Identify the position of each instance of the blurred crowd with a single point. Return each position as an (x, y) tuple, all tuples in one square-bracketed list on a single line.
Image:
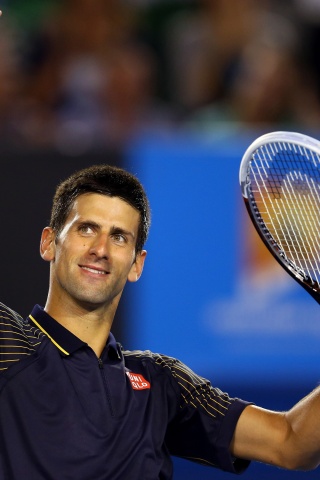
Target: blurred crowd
[(78, 75)]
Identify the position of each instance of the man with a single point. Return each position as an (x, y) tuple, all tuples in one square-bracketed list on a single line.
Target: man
[(75, 405)]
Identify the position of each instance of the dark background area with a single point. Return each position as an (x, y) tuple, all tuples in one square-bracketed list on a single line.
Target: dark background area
[(27, 185)]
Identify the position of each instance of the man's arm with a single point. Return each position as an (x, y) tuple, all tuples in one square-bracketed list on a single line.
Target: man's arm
[(290, 439)]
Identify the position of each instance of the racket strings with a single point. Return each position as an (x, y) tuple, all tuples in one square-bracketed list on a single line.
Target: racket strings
[(285, 191), (303, 251), (289, 226), (301, 207)]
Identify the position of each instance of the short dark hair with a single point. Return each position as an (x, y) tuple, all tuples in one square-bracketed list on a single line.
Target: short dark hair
[(106, 180)]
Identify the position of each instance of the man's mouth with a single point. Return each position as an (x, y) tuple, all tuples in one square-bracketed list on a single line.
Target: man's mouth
[(94, 270)]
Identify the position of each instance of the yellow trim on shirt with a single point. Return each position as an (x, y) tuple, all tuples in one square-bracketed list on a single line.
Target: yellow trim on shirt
[(46, 333)]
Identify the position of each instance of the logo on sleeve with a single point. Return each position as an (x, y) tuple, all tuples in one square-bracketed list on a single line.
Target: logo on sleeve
[(138, 382)]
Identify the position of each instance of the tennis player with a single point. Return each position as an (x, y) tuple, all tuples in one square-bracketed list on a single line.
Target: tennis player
[(76, 405)]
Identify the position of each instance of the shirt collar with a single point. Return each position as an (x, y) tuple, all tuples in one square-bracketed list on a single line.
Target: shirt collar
[(63, 339)]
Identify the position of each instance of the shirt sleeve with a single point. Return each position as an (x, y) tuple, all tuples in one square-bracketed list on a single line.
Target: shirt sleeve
[(203, 425)]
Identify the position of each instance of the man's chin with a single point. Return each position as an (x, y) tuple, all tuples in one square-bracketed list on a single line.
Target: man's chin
[(91, 304)]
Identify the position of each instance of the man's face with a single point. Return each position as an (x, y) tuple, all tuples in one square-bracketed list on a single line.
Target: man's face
[(94, 255)]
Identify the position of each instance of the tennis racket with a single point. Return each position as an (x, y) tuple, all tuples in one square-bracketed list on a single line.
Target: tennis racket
[(280, 184)]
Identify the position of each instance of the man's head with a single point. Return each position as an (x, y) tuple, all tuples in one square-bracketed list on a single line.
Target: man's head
[(106, 180)]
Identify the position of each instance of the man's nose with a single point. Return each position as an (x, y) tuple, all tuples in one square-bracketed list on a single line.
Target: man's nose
[(100, 246)]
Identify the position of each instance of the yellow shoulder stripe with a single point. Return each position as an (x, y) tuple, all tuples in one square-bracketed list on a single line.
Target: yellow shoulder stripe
[(46, 333)]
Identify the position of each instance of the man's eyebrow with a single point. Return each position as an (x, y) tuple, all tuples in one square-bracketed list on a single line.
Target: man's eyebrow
[(115, 230), (91, 223)]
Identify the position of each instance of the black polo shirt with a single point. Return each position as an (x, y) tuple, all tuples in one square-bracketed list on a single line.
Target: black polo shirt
[(65, 414)]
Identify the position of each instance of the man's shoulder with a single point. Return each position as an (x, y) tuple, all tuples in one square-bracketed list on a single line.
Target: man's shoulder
[(159, 361), (147, 356), (9, 316), (18, 338)]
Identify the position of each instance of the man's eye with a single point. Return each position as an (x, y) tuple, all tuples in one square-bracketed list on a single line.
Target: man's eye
[(118, 238), (85, 229)]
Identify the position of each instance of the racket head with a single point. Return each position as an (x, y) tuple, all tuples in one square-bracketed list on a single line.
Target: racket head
[(280, 183)]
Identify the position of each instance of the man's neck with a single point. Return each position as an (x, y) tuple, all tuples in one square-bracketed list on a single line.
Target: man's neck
[(92, 326)]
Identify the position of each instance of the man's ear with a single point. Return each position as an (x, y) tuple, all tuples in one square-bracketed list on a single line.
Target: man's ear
[(137, 267), (47, 244)]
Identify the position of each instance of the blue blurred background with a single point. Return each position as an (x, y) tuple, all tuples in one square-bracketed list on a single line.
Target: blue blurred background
[(174, 91)]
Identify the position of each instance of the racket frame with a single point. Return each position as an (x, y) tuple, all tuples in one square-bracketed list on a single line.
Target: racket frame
[(278, 253)]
